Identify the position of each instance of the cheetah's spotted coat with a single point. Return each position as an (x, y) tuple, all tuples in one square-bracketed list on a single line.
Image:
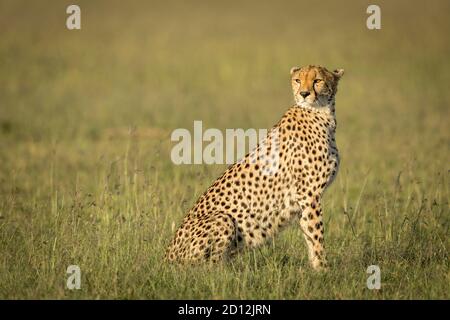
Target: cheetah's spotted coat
[(282, 180)]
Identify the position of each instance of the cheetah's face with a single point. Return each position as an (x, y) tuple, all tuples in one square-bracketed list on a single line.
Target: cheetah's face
[(314, 86)]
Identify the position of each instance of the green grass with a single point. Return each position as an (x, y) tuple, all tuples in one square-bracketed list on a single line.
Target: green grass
[(85, 123)]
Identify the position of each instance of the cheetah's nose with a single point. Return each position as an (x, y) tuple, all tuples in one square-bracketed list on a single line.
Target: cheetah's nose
[(304, 94)]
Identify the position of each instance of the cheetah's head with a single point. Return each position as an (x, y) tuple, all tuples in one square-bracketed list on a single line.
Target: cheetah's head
[(314, 86)]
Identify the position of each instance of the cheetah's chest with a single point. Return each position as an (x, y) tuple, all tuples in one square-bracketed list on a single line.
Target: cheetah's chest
[(315, 160)]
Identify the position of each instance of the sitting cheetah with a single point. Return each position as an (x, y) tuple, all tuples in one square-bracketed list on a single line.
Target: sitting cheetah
[(281, 180)]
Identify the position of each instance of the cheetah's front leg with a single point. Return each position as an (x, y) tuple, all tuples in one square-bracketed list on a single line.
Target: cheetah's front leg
[(312, 227)]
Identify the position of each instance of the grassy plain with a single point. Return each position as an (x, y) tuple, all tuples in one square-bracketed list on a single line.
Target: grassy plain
[(85, 123)]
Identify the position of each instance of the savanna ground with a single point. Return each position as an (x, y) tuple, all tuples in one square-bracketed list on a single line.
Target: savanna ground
[(86, 116)]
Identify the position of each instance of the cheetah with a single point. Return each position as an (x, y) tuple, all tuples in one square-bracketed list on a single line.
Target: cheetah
[(280, 181)]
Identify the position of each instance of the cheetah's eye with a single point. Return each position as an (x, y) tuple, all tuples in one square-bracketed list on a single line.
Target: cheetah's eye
[(316, 81), (297, 80)]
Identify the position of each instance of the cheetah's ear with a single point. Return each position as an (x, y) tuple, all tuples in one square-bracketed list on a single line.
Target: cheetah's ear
[(294, 69), (338, 73)]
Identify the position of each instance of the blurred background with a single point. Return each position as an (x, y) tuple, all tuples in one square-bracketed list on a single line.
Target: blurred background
[(86, 117)]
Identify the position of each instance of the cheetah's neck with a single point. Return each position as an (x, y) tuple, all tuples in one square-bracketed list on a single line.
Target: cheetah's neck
[(327, 110)]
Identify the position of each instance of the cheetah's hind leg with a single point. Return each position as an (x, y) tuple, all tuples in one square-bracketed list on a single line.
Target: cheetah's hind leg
[(220, 233), (211, 238)]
